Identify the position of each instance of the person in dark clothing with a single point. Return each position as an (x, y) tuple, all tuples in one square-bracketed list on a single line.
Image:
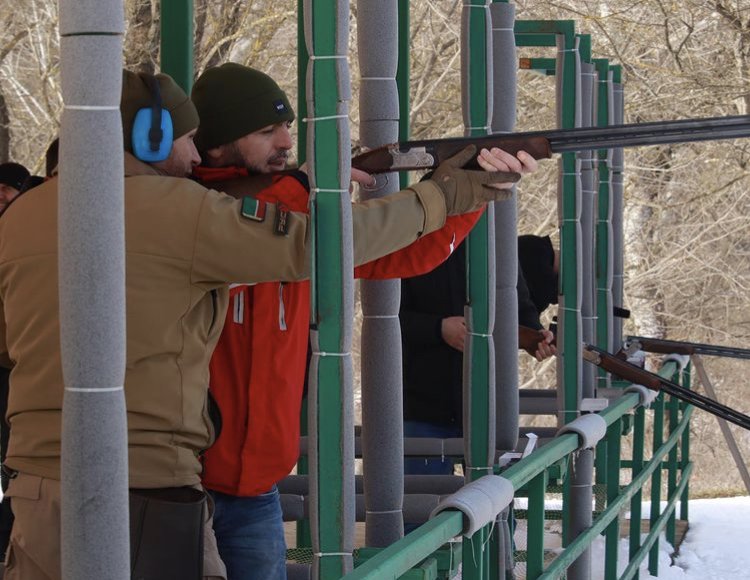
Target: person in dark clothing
[(14, 180), (540, 264), (433, 332), (13, 176)]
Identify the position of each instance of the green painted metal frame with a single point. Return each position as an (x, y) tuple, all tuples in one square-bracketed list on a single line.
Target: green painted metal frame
[(603, 241), (177, 60), (532, 473), (629, 492), (403, 72), (327, 276), (535, 33), (475, 556), (177, 41), (602, 244), (303, 534)]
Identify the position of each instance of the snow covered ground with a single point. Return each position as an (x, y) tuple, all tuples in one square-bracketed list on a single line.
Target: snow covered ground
[(716, 546)]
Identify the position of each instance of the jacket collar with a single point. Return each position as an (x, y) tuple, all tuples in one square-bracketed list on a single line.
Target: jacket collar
[(134, 166)]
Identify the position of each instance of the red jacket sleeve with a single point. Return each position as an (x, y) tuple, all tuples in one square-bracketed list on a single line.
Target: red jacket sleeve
[(424, 255)]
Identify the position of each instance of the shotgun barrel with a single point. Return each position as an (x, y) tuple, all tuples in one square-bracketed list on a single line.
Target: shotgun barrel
[(662, 346), (623, 369), (427, 154)]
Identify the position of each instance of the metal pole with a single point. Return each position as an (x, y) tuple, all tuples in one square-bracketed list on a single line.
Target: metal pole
[(734, 450), (331, 397)]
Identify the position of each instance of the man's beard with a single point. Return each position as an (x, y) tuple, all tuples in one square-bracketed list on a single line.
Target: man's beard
[(239, 161)]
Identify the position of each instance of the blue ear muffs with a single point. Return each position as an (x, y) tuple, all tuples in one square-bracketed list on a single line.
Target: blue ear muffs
[(153, 133)]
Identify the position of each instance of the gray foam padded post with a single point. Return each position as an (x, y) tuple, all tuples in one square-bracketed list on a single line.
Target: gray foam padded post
[(93, 16), (590, 429), (94, 510), (504, 63), (372, 109), (480, 501), (382, 413), (589, 184), (618, 213), (646, 395), (504, 90), (95, 53), (91, 271), (91, 242), (377, 37), (682, 360)]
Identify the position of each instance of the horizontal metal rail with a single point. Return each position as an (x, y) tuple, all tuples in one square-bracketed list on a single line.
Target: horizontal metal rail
[(579, 545)]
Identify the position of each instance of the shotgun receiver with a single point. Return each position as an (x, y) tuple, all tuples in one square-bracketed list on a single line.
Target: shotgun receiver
[(629, 372), (661, 346), (427, 154)]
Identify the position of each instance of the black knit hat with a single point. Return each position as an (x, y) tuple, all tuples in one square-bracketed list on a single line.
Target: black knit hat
[(234, 100), (536, 257), (136, 95), (13, 174)]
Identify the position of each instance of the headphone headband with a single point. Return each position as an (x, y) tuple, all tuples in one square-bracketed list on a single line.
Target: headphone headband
[(155, 133)]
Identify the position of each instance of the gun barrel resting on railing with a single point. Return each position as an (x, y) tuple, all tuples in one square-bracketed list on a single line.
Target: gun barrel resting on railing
[(639, 376), (426, 154)]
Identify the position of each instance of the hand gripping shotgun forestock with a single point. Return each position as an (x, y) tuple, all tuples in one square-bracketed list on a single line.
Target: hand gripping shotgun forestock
[(629, 372), (426, 154)]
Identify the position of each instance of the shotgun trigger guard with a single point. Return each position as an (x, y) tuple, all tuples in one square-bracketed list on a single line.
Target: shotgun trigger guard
[(410, 158)]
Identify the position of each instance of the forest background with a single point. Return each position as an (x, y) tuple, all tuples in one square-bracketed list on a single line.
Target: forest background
[(687, 207)]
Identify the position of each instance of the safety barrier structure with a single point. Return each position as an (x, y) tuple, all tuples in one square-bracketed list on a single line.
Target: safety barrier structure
[(589, 444)]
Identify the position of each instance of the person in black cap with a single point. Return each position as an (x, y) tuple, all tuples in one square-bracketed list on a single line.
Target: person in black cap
[(433, 331), (13, 177)]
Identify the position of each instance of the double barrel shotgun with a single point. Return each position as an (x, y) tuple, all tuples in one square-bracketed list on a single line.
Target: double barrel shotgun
[(429, 153)]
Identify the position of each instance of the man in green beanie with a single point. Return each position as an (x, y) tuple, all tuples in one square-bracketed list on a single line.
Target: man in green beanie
[(259, 366), (184, 245)]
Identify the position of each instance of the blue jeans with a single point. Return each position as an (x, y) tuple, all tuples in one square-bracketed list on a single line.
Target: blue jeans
[(433, 465), (250, 535)]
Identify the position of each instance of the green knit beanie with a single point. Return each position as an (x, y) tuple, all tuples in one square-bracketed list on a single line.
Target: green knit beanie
[(136, 95), (235, 100)]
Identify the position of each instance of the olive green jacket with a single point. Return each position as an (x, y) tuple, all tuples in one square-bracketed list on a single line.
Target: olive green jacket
[(184, 245)]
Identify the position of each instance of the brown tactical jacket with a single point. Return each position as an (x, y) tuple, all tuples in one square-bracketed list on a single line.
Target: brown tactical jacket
[(184, 245)]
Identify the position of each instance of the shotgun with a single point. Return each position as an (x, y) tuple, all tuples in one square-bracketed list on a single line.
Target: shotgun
[(629, 372), (427, 154), (661, 346)]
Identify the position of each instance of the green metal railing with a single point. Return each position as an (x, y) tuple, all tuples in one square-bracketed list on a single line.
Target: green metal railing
[(665, 467), (531, 475)]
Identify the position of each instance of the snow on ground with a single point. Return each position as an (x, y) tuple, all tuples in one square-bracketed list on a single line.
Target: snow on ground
[(716, 546)]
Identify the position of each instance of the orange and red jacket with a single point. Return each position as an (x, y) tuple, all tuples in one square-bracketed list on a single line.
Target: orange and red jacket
[(258, 367)]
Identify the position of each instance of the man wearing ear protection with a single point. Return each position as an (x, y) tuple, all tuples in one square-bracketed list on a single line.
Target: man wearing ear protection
[(259, 366), (184, 245)]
